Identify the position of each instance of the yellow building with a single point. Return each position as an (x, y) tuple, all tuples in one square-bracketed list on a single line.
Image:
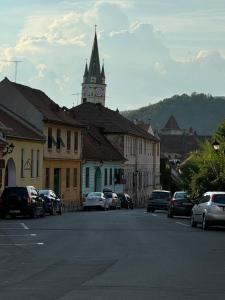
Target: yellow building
[(62, 148), (23, 153), (62, 152)]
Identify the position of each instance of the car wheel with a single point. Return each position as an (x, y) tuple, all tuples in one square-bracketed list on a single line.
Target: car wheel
[(193, 223), (170, 214), (205, 224), (2, 216), (34, 212)]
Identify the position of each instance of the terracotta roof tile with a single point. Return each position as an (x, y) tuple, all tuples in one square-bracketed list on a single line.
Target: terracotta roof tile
[(171, 124), (19, 130), (111, 121), (97, 147), (51, 111)]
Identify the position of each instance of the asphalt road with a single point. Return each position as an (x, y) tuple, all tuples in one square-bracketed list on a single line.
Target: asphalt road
[(126, 254)]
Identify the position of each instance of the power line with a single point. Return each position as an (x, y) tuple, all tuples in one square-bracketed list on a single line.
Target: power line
[(16, 65)]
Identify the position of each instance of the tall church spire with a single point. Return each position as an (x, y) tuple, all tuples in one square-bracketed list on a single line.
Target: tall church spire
[(94, 66), (93, 86)]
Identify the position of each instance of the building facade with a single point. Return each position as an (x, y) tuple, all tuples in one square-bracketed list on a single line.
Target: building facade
[(23, 153), (62, 147)]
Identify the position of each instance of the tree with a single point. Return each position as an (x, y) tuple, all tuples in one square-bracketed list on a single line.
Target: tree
[(205, 169)]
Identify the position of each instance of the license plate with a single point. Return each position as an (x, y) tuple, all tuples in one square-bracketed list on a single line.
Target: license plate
[(14, 211)]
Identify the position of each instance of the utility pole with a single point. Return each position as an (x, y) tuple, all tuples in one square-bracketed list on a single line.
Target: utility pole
[(16, 65)]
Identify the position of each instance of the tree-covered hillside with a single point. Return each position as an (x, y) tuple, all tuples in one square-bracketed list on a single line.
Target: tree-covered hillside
[(202, 112)]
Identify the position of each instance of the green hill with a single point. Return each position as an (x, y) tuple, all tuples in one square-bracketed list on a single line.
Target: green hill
[(201, 112)]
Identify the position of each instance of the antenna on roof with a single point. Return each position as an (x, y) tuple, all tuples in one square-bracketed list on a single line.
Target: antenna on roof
[(76, 94), (16, 65)]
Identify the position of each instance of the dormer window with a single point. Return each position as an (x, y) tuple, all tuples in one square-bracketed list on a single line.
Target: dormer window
[(93, 79)]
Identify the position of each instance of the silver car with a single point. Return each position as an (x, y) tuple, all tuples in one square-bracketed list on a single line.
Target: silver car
[(113, 200), (209, 210), (95, 200)]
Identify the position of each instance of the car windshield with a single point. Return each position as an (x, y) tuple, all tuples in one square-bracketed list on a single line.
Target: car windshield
[(95, 194), (108, 195), (160, 195), (219, 198), (179, 195), (43, 192), (20, 191)]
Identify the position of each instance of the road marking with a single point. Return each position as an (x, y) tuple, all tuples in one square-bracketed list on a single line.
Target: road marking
[(23, 244), (183, 224), (155, 215), (32, 234), (24, 226)]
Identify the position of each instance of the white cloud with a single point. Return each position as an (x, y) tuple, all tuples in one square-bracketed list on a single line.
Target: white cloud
[(139, 64)]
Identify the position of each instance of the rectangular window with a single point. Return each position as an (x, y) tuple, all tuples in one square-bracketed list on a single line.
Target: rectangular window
[(37, 166), (68, 144), (58, 138), (87, 178), (106, 176), (49, 138), (22, 163), (110, 177), (67, 178), (75, 177), (75, 141), (47, 178), (32, 164)]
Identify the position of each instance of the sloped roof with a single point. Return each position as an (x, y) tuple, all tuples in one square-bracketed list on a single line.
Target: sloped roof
[(97, 147), (181, 144), (51, 111), (171, 124), (18, 129), (111, 121)]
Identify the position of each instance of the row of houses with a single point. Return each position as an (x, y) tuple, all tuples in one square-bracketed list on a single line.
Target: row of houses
[(74, 151)]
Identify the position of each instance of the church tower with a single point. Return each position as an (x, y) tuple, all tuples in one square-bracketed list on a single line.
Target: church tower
[(93, 86)]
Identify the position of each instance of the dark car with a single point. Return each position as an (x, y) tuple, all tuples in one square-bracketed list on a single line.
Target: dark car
[(21, 201), (180, 205), (158, 200), (126, 201), (53, 203)]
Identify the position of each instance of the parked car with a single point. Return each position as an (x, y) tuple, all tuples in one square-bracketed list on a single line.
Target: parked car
[(209, 210), (180, 205), (95, 200), (158, 200), (126, 201), (53, 203), (112, 200), (21, 201)]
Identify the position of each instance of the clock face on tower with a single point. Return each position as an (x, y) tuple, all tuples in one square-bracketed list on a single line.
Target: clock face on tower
[(99, 92)]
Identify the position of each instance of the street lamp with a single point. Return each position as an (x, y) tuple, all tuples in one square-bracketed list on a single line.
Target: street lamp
[(216, 145), (8, 149)]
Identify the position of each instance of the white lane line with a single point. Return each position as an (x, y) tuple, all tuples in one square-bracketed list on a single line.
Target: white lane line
[(183, 224), (24, 226), (25, 244), (32, 234), (9, 223), (155, 215)]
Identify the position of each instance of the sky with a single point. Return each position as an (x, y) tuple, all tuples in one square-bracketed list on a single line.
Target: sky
[(152, 49)]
